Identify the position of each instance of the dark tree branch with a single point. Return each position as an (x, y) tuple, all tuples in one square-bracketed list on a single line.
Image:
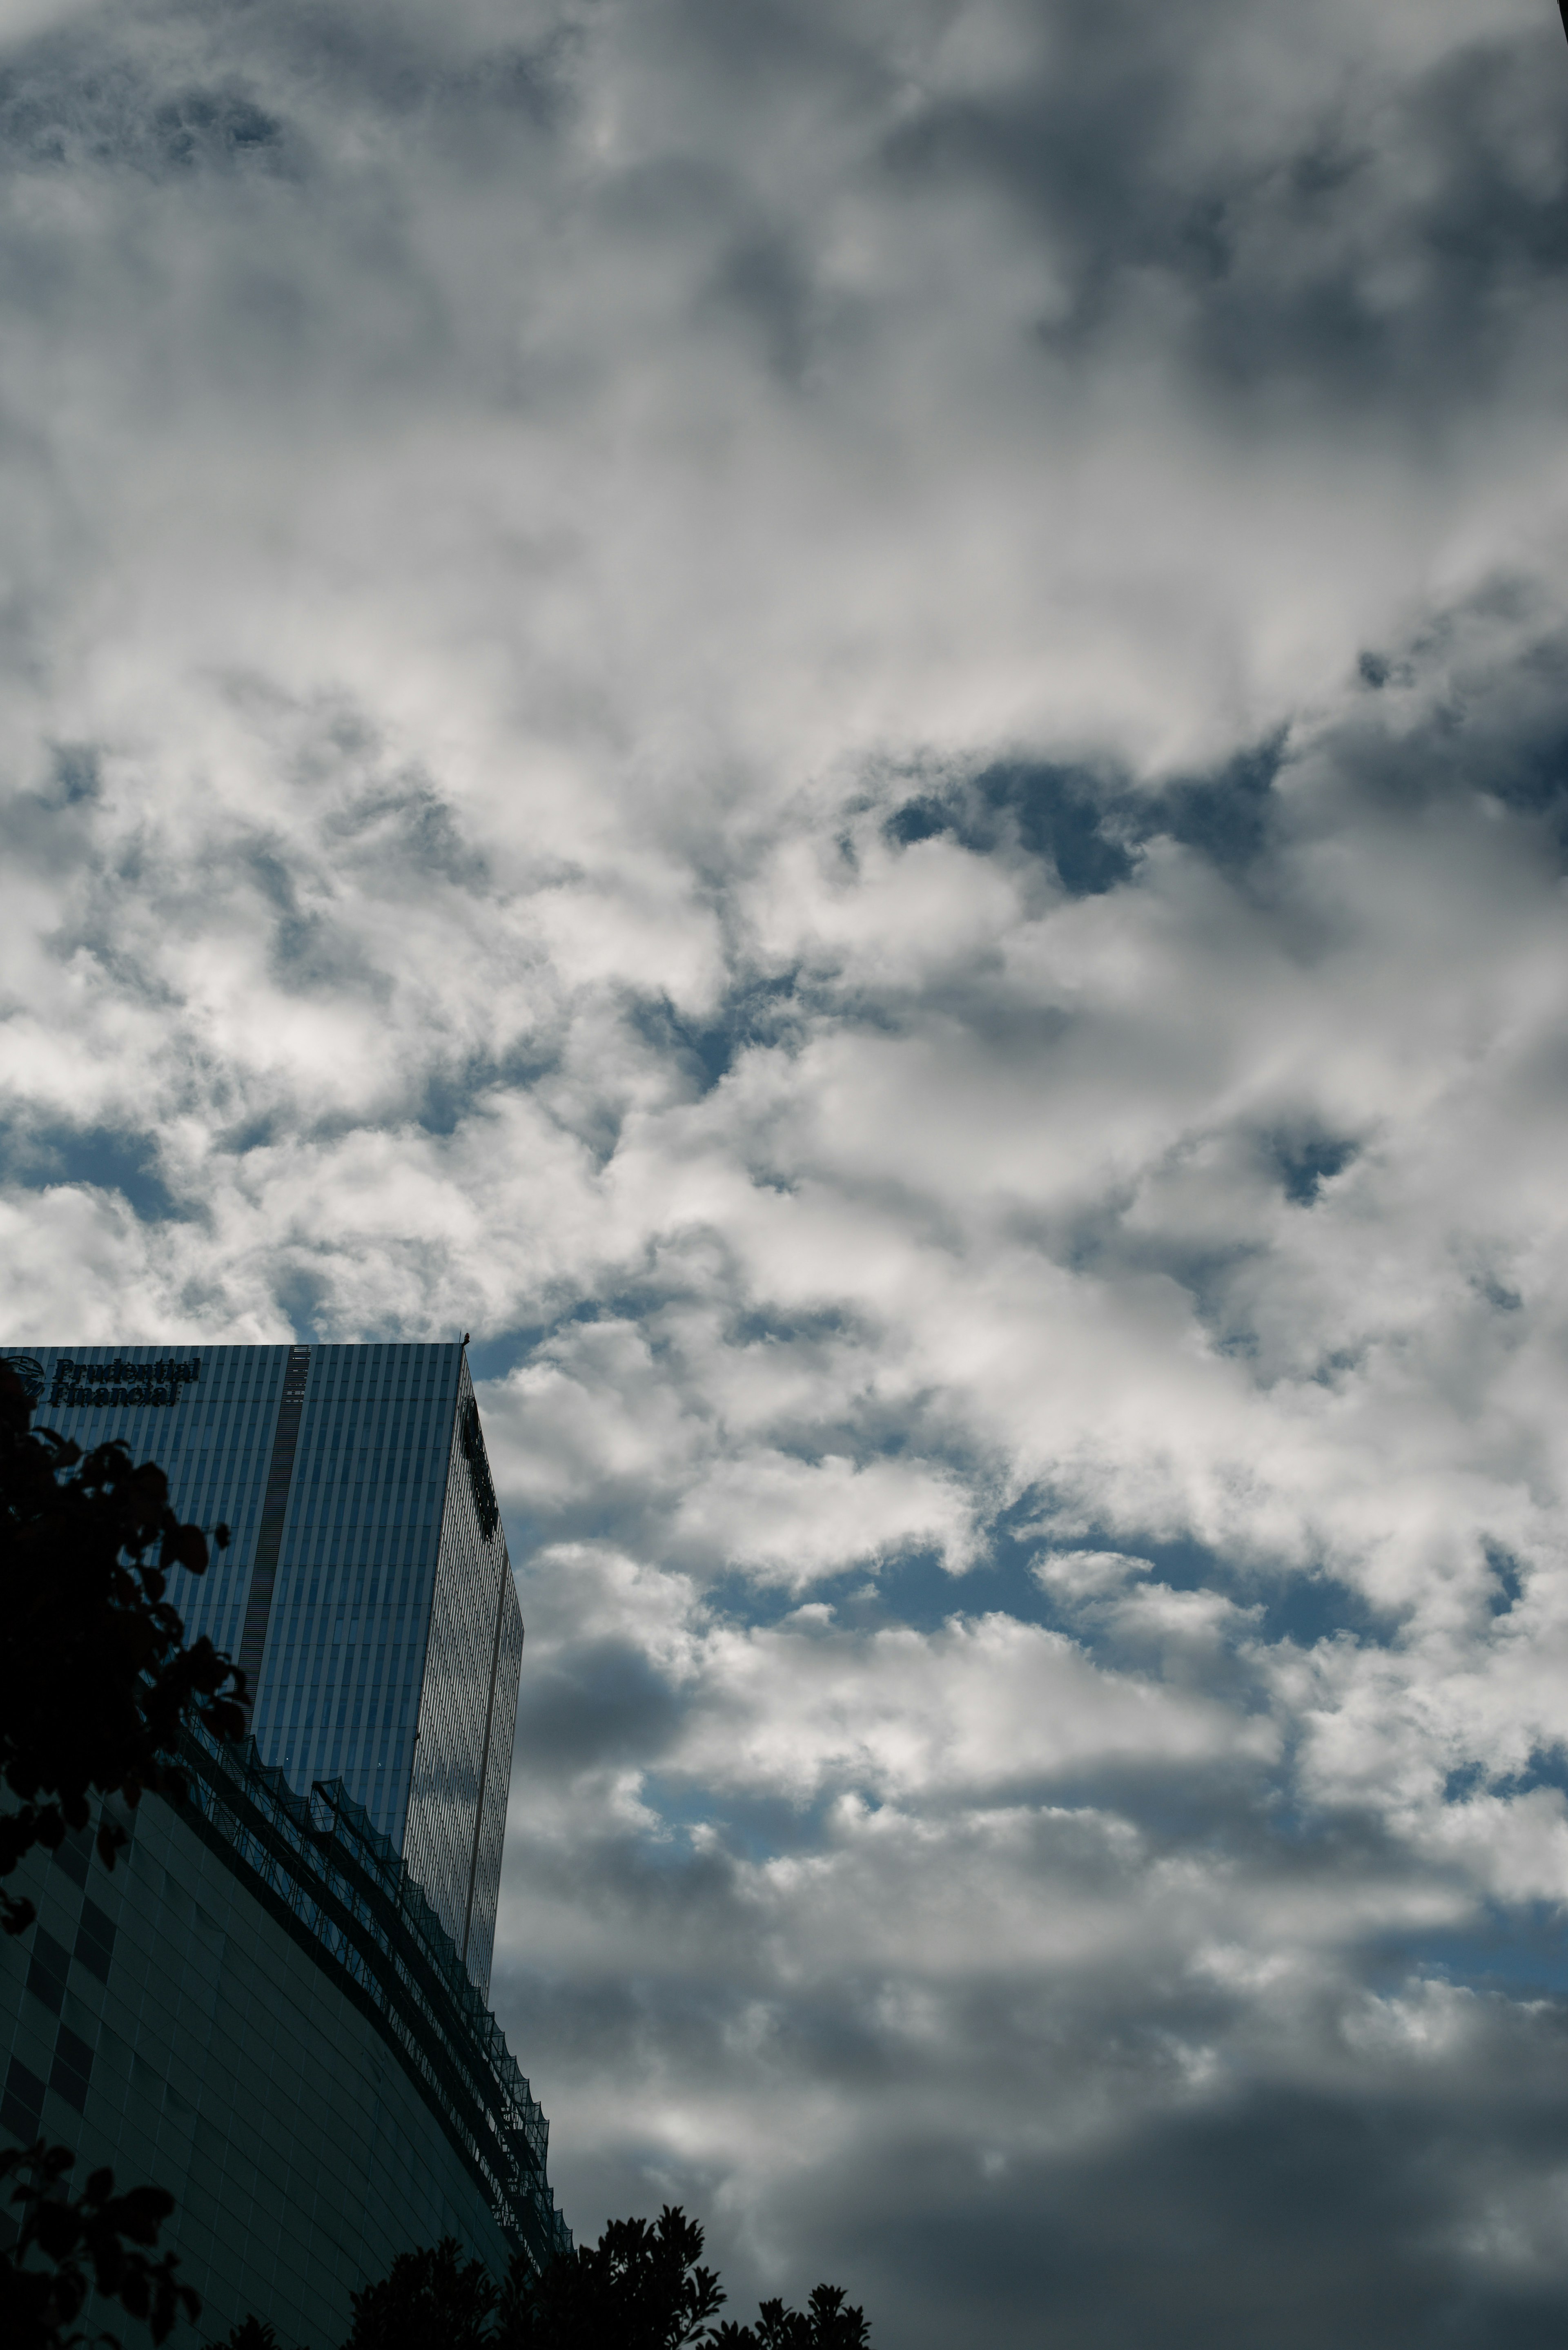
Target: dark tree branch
[(95, 1673), (94, 2241)]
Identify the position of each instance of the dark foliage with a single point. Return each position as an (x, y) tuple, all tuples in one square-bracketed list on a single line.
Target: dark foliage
[(827, 2323), (95, 1675), (250, 2333), (428, 2301), (92, 2240), (639, 2288)]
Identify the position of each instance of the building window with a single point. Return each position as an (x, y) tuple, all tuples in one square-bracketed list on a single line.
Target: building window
[(47, 1971), (72, 2068), (22, 2107), (95, 1940), (74, 1854)]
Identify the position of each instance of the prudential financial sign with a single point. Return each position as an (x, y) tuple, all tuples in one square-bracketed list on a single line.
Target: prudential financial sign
[(99, 1387)]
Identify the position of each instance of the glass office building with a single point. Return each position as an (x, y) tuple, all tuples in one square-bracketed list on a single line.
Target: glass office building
[(366, 1590), (274, 2005)]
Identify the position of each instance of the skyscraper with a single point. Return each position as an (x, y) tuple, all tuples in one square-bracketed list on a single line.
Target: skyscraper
[(367, 1589), (274, 2005)]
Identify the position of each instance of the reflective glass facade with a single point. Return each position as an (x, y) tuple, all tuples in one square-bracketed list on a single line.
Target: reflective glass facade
[(367, 1588), (474, 1659)]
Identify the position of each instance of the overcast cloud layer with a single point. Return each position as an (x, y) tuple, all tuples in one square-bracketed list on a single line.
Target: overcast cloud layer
[(850, 720)]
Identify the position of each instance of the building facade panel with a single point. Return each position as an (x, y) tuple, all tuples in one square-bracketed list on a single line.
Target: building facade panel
[(445, 1839), (341, 1676), (491, 1838)]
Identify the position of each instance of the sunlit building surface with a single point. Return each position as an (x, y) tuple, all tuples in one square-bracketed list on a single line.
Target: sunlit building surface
[(274, 2005)]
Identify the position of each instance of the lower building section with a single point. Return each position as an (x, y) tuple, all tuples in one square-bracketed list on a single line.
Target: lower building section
[(257, 2010)]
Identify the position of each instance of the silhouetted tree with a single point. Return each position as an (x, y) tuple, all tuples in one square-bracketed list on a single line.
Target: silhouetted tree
[(250, 2333), (95, 1673), (827, 2323), (639, 2288), (89, 2241), (431, 2299)]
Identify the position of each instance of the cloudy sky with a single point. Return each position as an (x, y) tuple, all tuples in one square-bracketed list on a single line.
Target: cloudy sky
[(849, 718)]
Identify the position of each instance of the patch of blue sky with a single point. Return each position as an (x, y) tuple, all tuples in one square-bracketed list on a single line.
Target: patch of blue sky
[(749, 1828), (496, 1357), (495, 1354), (754, 1012), (1225, 815), (911, 1587), (449, 1093), (1090, 824), (1508, 1580), (75, 772), (1547, 1767), (1049, 811), (109, 1159), (258, 1132), (1521, 1951), (916, 1588), (1308, 1607), (304, 1297), (761, 1325), (1304, 1161), (1300, 1605)]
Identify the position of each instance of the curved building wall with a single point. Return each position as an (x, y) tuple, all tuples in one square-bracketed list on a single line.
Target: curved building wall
[(165, 2022)]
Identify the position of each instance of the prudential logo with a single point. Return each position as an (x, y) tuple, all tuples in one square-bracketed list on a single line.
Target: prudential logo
[(30, 1371)]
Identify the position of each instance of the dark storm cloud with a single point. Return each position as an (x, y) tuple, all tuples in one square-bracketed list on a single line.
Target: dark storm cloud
[(49, 827), (1349, 2176), (407, 820), (1288, 2216), (1385, 247), (1473, 707), (610, 1704), (308, 950)]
